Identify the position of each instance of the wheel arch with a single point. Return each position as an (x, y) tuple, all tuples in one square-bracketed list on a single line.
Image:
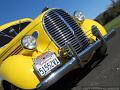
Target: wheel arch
[(18, 71), (87, 24)]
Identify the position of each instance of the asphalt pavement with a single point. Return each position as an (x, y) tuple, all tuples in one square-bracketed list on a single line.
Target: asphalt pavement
[(104, 74)]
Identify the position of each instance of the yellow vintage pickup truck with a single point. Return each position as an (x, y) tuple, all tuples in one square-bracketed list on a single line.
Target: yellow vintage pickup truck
[(35, 54)]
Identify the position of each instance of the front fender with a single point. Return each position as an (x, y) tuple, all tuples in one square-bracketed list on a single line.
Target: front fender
[(18, 70), (86, 27)]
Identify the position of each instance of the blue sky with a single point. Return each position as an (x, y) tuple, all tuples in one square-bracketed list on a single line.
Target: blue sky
[(15, 9)]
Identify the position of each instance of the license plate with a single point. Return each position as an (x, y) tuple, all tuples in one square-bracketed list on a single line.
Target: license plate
[(46, 63)]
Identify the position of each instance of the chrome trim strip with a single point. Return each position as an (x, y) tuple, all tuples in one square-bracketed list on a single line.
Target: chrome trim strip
[(46, 28), (77, 39), (70, 28), (72, 64)]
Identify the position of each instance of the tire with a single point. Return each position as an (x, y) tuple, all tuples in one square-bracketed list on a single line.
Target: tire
[(8, 86), (101, 51)]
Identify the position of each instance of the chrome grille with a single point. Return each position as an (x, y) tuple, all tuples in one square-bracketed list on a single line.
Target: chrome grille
[(62, 29)]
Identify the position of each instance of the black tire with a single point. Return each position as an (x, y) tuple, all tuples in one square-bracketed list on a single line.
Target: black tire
[(99, 55), (8, 86), (101, 51)]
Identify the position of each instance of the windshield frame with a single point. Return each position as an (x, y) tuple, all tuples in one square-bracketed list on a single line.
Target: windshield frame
[(21, 26)]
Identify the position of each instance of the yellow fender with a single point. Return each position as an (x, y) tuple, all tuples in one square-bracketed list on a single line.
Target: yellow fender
[(86, 26), (18, 70)]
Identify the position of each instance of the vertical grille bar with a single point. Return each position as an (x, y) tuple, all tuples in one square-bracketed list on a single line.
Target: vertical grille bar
[(62, 28)]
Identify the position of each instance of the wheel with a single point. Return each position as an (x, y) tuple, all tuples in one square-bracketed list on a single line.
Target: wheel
[(8, 86), (101, 51), (99, 55), (88, 58)]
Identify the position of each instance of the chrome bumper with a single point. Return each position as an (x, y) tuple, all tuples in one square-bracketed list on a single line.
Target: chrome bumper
[(73, 63)]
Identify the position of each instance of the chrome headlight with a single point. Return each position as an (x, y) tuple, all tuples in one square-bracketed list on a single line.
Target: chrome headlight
[(79, 15), (28, 42)]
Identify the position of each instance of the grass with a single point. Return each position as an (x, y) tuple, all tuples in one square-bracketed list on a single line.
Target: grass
[(1, 88), (115, 23)]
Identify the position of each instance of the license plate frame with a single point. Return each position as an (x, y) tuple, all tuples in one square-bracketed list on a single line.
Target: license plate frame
[(46, 63)]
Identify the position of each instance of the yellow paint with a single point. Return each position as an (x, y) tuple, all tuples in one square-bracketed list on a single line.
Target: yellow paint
[(5, 48), (18, 69), (86, 27), (4, 26), (8, 69)]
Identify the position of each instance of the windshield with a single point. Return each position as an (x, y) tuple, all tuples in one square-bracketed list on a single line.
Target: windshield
[(9, 33)]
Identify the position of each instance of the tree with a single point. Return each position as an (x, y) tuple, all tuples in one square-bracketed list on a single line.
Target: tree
[(112, 11)]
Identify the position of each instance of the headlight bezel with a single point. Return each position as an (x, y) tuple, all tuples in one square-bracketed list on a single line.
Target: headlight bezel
[(79, 15), (29, 42)]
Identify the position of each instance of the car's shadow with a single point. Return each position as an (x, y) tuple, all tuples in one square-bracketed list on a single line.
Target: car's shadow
[(71, 79)]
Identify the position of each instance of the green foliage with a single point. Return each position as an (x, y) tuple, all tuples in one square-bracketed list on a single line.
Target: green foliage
[(112, 12), (115, 23)]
